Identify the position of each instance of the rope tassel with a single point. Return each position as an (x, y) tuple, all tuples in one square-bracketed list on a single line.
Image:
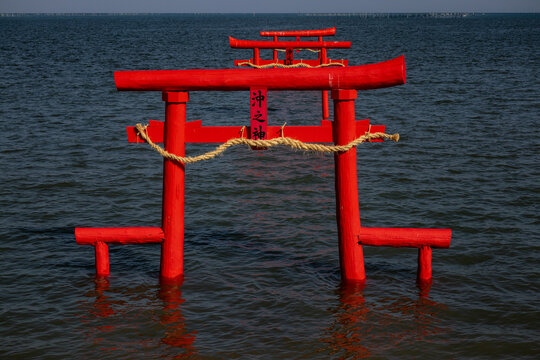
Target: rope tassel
[(293, 143)]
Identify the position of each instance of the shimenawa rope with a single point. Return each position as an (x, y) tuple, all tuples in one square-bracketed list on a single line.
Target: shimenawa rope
[(299, 49), (297, 65), (293, 143)]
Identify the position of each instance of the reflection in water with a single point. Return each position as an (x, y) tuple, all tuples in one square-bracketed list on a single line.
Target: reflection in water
[(346, 334), (173, 320), (361, 329), (102, 306), (424, 286), (115, 321)]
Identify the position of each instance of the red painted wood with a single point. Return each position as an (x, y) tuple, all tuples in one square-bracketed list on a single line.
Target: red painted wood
[(196, 133), (256, 56), (155, 130), (347, 211), (372, 76), (120, 235), (405, 237), (372, 130), (259, 113), (322, 32), (310, 62), (263, 44), (102, 258), (325, 108), (172, 248), (424, 264)]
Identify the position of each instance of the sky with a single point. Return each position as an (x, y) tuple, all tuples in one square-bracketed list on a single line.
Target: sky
[(258, 6)]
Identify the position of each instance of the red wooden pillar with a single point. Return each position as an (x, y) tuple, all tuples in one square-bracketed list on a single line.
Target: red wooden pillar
[(256, 56), (172, 248), (324, 60), (351, 255), (424, 263), (102, 258), (275, 50)]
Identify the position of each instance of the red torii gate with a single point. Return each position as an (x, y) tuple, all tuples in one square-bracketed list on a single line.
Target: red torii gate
[(343, 83), (289, 47)]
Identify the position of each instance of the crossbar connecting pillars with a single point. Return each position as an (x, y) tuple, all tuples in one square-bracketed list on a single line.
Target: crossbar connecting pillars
[(101, 237)]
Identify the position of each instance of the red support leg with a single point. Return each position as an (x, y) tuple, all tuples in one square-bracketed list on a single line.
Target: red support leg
[(102, 259), (325, 109), (256, 56), (351, 255), (172, 249), (324, 59), (424, 263)]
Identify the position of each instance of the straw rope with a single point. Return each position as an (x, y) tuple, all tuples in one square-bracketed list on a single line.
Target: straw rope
[(312, 50), (297, 65), (293, 143)]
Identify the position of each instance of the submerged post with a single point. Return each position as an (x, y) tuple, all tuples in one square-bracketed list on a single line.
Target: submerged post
[(172, 248), (424, 263), (351, 255), (102, 258)]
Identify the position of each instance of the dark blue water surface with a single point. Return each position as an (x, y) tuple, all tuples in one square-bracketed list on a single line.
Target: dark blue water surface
[(261, 259)]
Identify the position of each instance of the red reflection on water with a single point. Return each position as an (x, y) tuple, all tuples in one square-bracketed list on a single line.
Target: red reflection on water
[(102, 306), (344, 335), (424, 286), (173, 319), (362, 329)]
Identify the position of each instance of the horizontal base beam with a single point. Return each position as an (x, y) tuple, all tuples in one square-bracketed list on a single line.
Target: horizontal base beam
[(124, 235), (405, 237)]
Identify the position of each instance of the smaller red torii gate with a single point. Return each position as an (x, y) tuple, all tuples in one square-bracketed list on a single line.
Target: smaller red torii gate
[(289, 46), (175, 132)]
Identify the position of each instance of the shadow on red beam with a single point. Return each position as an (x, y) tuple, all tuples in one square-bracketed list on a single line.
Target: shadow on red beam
[(196, 133), (405, 237), (124, 235)]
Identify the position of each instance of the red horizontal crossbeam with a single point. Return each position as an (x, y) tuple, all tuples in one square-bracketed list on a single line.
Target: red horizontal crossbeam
[(372, 76), (263, 44), (196, 133), (123, 235), (405, 237), (310, 62), (322, 32)]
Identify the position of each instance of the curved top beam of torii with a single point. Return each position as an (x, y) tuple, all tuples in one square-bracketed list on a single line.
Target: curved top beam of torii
[(364, 77)]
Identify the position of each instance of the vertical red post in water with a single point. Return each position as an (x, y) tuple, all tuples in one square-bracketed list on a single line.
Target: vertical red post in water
[(351, 255), (172, 248), (102, 258), (424, 263)]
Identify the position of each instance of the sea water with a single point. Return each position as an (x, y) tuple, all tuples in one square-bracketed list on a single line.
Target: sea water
[(261, 265)]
